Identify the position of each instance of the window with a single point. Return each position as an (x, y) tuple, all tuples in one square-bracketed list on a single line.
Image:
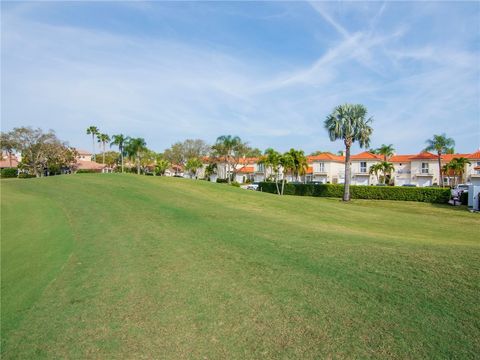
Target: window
[(363, 166), (260, 168), (424, 168), (321, 167)]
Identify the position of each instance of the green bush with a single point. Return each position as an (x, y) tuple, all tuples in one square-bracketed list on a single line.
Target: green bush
[(8, 173), (86, 171), (431, 195), (25, 176), (464, 198), (235, 183), (222, 181)]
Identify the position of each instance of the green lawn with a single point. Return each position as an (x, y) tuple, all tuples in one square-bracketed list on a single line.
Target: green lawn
[(112, 266)]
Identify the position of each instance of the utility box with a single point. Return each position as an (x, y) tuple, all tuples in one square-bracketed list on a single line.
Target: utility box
[(474, 197)]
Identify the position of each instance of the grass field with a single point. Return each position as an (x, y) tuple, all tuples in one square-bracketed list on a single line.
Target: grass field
[(113, 266)]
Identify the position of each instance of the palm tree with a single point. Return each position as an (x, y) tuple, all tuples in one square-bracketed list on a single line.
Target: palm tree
[(120, 141), (134, 147), (441, 144), (224, 147), (288, 164), (93, 130), (103, 139), (271, 159), (386, 151), (457, 165), (348, 122), (300, 164), (387, 168), (375, 169)]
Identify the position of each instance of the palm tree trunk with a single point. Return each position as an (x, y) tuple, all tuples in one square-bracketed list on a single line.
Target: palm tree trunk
[(440, 168), (276, 183), (121, 154), (93, 146), (283, 183), (10, 158), (103, 154), (346, 189), (138, 164)]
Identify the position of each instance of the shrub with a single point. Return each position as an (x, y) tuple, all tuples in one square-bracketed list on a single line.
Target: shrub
[(235, 183), (222, 181), (464, 198), (431, 195), (86, 171), (8, 173), (25, 176)]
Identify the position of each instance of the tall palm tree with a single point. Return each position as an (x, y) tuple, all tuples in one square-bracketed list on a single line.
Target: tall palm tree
[(103, 139), (386, 151), (441, 144), (119, 140), (348, 122), (93, 130), (224, 146), (134, 147), (300, 164)]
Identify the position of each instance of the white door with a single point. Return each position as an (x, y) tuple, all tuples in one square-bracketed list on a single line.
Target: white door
[(424, 181), (400, 182)]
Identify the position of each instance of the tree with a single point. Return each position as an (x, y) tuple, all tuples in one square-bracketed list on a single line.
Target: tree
[(93, 130), (225, 147), (180, 152), (300, 164), (348, 122), (210, 169), (41, 151), (387, 168), (103, 139), (8, 144), (457, 167), (192, 165), (110, 158), (253, 153), (161, 166), (441, 144), (386, 150), (288, 165), (119, 140), (271, 160), (375, 169), (134, 148)]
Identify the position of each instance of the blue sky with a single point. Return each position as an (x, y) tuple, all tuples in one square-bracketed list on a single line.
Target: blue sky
[(269, 72)]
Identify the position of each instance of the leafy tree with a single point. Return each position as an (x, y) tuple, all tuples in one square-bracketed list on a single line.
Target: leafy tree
[(161, 166), (253, 153), (93, 130), (192, 165), (119, 140), (387, 168), (348, 122), (134, 148), (441, 144), (8, 144), (41, 151), (180, 152), (300, 164), (386, 150), (210, 169), (110, 158), (103, 139)]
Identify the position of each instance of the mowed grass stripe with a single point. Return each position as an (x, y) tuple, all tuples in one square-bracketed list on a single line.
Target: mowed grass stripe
[(183, 269)]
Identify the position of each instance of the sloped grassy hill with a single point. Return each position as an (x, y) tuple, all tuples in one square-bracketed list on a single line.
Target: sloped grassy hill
[(113, 266)]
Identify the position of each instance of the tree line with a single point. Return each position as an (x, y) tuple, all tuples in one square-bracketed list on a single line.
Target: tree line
[(349, 123)]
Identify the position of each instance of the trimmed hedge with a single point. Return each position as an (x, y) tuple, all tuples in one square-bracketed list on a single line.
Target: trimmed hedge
[(87, 171), (25, 176), (8, 173), (422, 194)]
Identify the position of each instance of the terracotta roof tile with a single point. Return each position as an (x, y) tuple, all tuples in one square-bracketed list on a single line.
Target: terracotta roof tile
[(326, 157), (247, 169), (366, 155)]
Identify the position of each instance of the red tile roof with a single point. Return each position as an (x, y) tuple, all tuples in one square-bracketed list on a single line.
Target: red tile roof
[(401, 158), (247, 169), (366, 155), (424, 155), (251, 160), (310, 170), (475, 155), (5, 163), (326, 157)]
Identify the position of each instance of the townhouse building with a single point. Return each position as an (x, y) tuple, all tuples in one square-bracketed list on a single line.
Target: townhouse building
[(413, 169)]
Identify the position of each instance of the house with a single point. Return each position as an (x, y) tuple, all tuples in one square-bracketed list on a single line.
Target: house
[(327, 168), (85, 163), (360, 170), (8, 161), (472, 172)]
